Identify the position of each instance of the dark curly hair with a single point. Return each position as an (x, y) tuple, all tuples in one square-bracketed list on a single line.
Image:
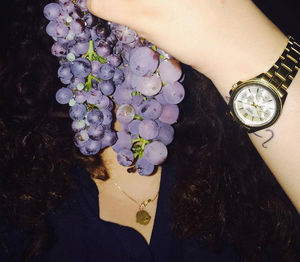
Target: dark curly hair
[(227, 181)]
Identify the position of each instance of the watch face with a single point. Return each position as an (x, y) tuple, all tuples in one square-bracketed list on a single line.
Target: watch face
[(255, 105)]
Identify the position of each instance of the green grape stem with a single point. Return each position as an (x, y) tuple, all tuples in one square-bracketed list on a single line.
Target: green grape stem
[(137, 93), (92, 55), (137, 117), (88, 85), (154, 48), (139, 146)]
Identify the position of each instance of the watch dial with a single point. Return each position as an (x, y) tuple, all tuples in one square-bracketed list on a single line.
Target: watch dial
[(255, 105)]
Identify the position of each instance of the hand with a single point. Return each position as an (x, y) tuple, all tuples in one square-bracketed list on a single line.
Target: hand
[(181, 28)]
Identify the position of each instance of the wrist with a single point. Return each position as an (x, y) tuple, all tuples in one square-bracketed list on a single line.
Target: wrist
[(249, 45)]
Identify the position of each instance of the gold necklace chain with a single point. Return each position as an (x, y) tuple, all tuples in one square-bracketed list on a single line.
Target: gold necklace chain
[(142, 216)]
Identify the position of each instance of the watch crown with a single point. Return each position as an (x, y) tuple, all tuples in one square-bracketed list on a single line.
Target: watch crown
[(237, 84)]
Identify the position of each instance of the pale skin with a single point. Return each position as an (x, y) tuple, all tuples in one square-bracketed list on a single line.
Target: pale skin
[(227, 41), (117, 207)]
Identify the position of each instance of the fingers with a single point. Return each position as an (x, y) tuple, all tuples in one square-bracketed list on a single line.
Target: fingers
[(118, 11)]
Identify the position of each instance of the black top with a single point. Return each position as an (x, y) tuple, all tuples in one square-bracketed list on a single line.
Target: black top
[(82, 236)]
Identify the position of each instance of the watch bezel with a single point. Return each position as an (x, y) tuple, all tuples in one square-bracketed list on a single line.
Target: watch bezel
[(279, 98)]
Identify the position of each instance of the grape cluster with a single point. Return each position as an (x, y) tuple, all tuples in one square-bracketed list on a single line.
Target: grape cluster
[(106, 66)]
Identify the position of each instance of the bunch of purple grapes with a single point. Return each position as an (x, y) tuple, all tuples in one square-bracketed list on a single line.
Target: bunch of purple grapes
[(103, 66)]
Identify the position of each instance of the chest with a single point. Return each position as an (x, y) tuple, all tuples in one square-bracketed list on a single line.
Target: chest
[(123, 211)]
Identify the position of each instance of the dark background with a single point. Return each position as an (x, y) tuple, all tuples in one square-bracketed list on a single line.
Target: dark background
[(284, 13)]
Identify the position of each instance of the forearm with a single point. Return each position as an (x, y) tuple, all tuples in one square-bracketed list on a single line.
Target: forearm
[(228, 41), (251, 47), (245, 44), (281, 151)]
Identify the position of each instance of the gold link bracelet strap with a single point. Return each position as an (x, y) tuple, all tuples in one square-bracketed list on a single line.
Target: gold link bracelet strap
[(286, 67)]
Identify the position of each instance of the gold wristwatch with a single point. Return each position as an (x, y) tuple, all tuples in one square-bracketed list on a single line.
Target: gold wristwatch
[(257, 103)]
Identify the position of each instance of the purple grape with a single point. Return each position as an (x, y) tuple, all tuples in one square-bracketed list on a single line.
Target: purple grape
[(94, 96), (125, 157), (77, 26), (63, 17), (51, 28), (78, 125), (106, 87), (133, 126), (80, 138), (102, 30), (95, 117), (107, 117), (123, 142), (55, 29), (96, 132), (148, 85), (124, 34), (132, 73), (125, 114), (81, 47), (136, 101), (143, 167), (125, 52), (66, 42), (150, 109), (77, 112), (125, 128), (128, 75), (148, 129), (134, 80), (65, 81), (68, 7), (64, 71), (110, 106), (95, 67), (82, 5), (77, 14), (169, 114), (170, 70), (84, 36), (106, 72), (72, 50), (64, 95), (52, 11), (90, 20), (155, 153), (81, 68), (114, 60), (109, 138), (112, 39), (165, 134), (91, 147), (103, 49), (64, 1), (173, 92), (122, 95), (160, 98), (80, 97), (58, 50), (118, 77), (104, 103), (77, 83), (143, 61)]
